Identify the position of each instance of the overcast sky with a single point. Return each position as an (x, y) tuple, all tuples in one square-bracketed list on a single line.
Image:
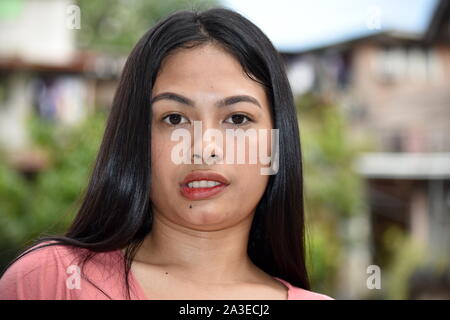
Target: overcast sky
[(302, 24)]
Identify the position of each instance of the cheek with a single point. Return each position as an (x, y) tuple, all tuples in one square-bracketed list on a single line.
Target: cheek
[(157, 156), (250, 185), (161, 148), (163, 170)]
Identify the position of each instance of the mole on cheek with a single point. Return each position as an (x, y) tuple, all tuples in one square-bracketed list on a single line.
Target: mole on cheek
[(190, 206)]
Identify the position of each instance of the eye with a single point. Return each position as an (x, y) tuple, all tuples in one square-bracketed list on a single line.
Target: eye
[(239, 119), (174, 119)]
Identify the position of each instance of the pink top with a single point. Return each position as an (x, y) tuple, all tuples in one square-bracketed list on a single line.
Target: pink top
[(51, 273)]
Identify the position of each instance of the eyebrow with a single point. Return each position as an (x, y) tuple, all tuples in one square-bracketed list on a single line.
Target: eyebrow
[(188, 102)]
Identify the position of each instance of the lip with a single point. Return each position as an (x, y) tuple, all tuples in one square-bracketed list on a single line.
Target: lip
[(203, 193), (205, 175)]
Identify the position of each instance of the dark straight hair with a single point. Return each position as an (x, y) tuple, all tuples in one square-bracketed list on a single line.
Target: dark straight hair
[(116, 211)]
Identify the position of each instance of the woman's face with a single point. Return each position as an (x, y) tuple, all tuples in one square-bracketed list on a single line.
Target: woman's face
[(200, 77)]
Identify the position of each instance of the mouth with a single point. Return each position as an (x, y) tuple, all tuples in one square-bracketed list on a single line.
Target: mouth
[(199, 185)]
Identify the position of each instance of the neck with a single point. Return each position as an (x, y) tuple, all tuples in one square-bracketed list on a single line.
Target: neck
[(212, 257)]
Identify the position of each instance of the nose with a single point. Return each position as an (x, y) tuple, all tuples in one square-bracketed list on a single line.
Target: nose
[(207, 144), (211, 156)]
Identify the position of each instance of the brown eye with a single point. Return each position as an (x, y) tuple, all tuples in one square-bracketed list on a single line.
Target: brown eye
[(174, 119), (238, 119)]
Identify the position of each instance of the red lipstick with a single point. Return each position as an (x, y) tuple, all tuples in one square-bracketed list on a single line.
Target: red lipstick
[(203, 192)]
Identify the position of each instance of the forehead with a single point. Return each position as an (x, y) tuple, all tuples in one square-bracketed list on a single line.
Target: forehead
[(205, 70)]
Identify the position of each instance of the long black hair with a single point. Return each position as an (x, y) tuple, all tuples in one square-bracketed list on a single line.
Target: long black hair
[(116, 211)]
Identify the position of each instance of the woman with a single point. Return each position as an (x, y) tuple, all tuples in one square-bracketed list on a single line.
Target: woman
[(151, 227)]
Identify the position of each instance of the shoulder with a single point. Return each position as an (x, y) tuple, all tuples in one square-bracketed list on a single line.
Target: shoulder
[(302, 294), (53, 272), (36, 274), (296, 293)]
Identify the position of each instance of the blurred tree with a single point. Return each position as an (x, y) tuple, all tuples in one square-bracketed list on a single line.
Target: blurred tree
[(47, 203), (116, 25), (407, 256), (333, 190)]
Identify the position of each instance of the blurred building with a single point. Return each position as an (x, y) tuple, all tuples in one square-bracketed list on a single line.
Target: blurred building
[(395, 88), (43, 72)]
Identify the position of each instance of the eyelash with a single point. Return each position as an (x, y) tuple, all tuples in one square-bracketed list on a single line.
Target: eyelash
[(170, 114), (248, 118)]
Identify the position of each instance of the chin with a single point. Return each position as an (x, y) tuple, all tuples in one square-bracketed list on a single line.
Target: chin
[(205, 219)]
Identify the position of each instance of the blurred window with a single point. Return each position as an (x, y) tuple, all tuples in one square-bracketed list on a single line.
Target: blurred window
[(408, 63)]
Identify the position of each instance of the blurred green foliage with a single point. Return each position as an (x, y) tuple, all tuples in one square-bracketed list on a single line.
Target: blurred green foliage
[(116, 25), (47, 202), (333, 190), (412, 269), (407, 256)]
